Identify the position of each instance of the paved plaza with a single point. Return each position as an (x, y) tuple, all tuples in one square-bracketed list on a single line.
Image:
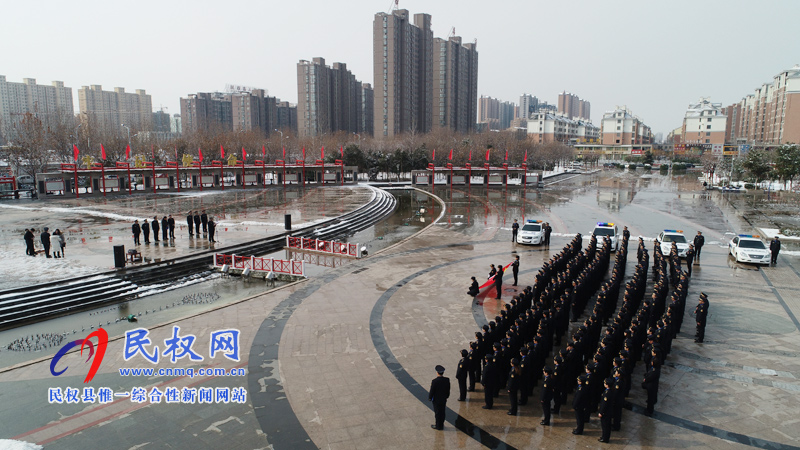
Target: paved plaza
[(344, 360)]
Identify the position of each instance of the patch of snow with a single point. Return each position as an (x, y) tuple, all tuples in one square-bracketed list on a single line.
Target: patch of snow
[(10, 444), (23, 270)]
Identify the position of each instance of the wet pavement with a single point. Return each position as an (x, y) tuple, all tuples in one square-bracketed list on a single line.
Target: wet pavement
[(344, 359)]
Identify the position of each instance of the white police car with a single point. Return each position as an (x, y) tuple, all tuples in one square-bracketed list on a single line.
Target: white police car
[(749, 248), (667, 237), (605, 229), (531, 233)]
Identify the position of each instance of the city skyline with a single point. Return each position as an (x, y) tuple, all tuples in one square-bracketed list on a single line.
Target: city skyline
[(669, 60)]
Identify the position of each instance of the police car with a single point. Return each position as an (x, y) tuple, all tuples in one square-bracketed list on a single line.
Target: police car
[(531, 233), (605, 229), (749, 248), (667, 237)]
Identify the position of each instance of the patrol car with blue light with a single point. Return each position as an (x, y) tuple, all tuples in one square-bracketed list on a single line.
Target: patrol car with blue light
[(531, 232), (607, 229), (748, 248), (667, 237)]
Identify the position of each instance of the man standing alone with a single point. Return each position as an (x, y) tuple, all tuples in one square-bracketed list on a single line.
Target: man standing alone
[(699, 240), (775, 248), (440, 391), (514, 231)]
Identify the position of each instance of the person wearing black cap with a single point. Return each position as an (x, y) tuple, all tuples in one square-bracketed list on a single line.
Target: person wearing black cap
[(440, 391), (190, 223), (650, 384), (701, 313), (45, 237), (605, 408), (580, 402), (489, 380), (461, 375), (146, 231), (514, 376), (498, 280), (775, 248), (514, 230), (515, 269), (197, 222), (137, 231), (155, 228), (546, 395), (474, 289), (699, 241)]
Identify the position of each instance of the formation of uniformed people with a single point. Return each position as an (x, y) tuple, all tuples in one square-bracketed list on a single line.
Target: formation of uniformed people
[(511, 352), (194, 220)]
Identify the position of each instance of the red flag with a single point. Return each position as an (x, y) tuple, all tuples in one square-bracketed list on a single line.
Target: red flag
[(244, 154), (304, 153), (127, 152), (284, 153), (487, 154), (450, 156), (102, 152), (153, 151), (176, 153), (526, 156), (470, 154), (433, 156), (341, 150), (221, 151), (200, 154), (323, 153), (264, 150), (506, 158), (75, 152)]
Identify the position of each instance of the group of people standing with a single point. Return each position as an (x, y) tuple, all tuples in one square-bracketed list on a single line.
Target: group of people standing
[(510, 353), (167, 226), (46, 239)]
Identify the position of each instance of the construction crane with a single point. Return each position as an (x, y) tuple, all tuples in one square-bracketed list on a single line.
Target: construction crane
[(452, 33), (394, 6)]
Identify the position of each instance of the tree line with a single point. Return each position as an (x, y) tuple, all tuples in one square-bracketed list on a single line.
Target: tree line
[(780, 163), (36, 144)]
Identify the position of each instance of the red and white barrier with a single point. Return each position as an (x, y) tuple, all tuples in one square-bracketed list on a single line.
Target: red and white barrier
[(289, 267), (332, 247)]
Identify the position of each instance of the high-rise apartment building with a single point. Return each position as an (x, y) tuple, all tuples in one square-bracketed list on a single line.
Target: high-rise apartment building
[(254, 111), (496, 114), (48, 103), (329, 99), (621, 127), (403, 73), (769, 116), (455, 84), (573, 106), (111, 109), (287, 116), (527, 105), (207, 111), (162, 122), (368, 108), (704, 123), (176, 125), (488, 108)]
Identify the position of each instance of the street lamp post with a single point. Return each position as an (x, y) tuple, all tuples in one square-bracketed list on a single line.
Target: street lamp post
[(281, 132)]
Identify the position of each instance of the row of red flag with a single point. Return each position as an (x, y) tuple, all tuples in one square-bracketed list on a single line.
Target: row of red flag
[(76, 152)]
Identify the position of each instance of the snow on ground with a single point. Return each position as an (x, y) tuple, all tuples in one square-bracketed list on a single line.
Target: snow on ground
[(770, 233), (9, 444), (81, 211), (19, 269)]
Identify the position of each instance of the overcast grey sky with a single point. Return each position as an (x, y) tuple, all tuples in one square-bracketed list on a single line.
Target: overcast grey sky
[(653, 56)]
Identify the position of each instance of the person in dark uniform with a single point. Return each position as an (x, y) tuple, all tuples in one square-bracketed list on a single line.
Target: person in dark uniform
[(701, 313), (146, 231), (546, 395), (45, 238), (155, 228), (190, 223), (197, 222), (699, 240), (164, 228), (212, 228), (489, 380), (498, 280), (492, 271), (580, 402), (474, 289), (515, 269), (775, 248), (514, 231), (136, 230), (29, 250), (440, 391), (547, 230), (514, 376), (690, 254), (171, 223), (604, 410), (650, 384), (461, 375), (204, 221)]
